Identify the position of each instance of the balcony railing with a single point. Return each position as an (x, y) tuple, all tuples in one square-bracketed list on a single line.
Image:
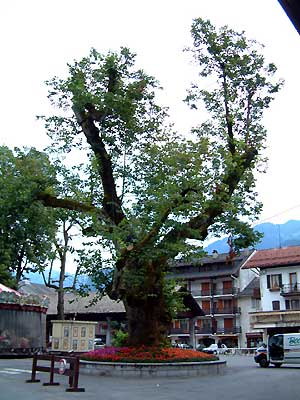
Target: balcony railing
[(218, 331), (227, 310), (236, 329), (176, 331), (290, 290), (204, 330), (216, 292), (222, 310)]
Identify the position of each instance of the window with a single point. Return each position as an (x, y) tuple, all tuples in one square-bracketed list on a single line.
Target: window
[(292, 304), (255, 303), (274, 282), (276, 305)]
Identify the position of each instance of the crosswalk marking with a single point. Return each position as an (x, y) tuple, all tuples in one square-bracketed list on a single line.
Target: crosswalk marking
[(9, 372), (14, 371), (18, 370)]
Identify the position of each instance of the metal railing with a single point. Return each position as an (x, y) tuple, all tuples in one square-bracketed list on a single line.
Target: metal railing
[(174, 331), (291, 289), (215, 292), (226, 310), (218, 331)]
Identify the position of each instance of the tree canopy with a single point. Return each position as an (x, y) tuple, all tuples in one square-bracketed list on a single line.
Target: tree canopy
[(26, 226), (149, 191)]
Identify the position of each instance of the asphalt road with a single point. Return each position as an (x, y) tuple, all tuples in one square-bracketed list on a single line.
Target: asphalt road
[(243, 380)]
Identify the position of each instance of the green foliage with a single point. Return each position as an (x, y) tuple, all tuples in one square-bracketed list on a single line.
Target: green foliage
[(26, 226), (151, 192), (120, 338), (6, 277)]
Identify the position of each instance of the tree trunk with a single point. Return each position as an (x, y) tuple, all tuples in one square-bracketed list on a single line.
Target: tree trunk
[(61, 303), (148, 324), (148, 314)]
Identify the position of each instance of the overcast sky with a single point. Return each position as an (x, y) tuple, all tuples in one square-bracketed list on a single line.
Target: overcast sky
[(38, 38)]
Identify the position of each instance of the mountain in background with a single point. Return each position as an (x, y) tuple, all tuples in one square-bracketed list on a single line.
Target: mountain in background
[(275, 236), (35, 277)]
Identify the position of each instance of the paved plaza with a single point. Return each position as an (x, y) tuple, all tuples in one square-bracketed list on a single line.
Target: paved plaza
[(243, 380)]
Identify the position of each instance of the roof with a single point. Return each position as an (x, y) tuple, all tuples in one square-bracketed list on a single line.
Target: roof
[(26, 287), (4, 288), (218, 265), (74, 304), (274, 258), (82, 305)]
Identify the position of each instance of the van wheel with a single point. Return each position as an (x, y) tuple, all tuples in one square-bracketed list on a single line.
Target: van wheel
[(263, 362), (277, 365)]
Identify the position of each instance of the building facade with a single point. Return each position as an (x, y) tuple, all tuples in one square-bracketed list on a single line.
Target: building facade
[(216, 282), (279, 271)]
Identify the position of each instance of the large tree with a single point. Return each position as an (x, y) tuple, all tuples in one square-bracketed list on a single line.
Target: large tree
[(149, 190)]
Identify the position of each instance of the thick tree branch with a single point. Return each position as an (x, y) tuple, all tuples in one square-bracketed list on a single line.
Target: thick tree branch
[(197, 227), (228, 117), (111, 202), (86, 117), (155, 229), (68, 204)]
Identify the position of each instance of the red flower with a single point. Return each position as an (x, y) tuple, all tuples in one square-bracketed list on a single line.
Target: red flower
[(146, 354)]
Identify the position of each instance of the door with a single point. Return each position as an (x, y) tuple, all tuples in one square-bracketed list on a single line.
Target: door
[(206, 306), (228, 306), (205, 289), (227, 287), (276, 348), (228, 325), (293, 281)]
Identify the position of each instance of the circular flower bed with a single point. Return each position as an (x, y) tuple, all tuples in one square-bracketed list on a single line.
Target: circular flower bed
[(146, 355)]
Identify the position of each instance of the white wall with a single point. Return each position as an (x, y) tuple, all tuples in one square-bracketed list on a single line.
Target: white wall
[(267, 296)]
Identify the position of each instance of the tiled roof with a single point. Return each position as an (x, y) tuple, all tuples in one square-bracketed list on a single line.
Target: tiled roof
[(274, 258), (73, 304), (82, 305)]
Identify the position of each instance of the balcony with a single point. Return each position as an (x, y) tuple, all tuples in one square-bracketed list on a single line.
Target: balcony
[(216, 292), (222, 292), (229, 331), (179, 331), (204, 330), (218, 331), (290, 290), (227, 310)]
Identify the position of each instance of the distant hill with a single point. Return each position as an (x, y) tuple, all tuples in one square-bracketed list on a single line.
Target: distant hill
[(35, 277), (275, 235)]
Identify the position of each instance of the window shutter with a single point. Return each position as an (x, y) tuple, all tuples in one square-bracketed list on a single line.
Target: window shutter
[(280, 280), (268, 282)]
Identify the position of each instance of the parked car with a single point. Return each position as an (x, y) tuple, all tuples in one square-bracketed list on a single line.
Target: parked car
[(98, 344), (183, 346), (200, 347), (261, 356), (215, 349)]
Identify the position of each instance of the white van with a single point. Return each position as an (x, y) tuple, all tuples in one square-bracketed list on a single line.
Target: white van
[(281, 349)]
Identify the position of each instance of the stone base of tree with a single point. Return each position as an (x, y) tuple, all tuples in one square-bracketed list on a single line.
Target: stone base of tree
[(152, 369)]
